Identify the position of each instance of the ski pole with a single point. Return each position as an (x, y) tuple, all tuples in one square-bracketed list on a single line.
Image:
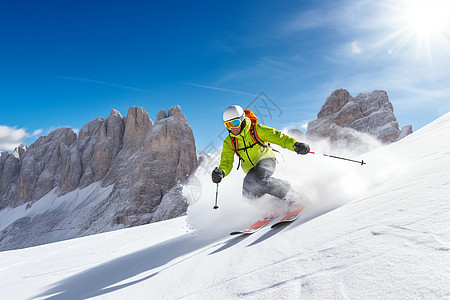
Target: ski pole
[(217, 194), (343, 158)]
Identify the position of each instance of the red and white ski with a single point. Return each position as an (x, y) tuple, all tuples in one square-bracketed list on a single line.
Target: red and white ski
[(291, 216), (255, 227)]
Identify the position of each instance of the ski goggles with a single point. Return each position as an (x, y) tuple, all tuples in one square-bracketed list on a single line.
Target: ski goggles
[(235, 123)]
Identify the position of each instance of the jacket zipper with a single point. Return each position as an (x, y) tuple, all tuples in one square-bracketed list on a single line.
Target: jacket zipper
[(246, 152)]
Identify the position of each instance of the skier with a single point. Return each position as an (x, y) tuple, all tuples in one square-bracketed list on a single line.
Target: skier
[(250, 140)]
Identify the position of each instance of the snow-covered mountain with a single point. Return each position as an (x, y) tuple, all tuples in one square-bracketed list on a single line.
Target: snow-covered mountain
[(371, 113), (378, 231), (118, 172)]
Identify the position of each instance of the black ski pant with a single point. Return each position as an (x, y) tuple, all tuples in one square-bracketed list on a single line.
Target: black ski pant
[(259, 182)]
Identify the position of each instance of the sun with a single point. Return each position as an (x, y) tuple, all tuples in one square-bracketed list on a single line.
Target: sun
[(418, 27), (427, 19)]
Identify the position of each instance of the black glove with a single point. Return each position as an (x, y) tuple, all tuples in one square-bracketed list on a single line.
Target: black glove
[(217, 175), (301, 148)]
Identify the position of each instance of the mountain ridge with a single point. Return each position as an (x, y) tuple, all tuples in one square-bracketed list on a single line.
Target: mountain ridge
[(141, 160)]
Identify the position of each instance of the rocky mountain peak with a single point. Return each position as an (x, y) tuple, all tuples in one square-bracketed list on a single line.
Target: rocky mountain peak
[(138, 122), (114, 112), (371, 113), (161, 115), (19, 151), (334, 103), (175, 112)]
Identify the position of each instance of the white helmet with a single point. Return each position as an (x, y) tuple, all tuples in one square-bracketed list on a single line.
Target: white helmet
[(233, 112)]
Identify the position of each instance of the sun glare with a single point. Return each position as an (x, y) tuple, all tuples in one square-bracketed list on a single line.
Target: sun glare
[(427, 19)]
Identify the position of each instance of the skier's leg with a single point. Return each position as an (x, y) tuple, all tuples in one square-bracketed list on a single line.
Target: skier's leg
[(278, 187), (258, 181), (252, 187)]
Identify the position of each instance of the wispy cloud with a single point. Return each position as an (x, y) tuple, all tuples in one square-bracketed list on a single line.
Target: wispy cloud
[(104, 83), (258, 70), (219, 89), (307, 20), (335, 14), (11, 137)]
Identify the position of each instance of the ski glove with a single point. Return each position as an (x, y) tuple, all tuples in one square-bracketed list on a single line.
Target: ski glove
[(301, 148), (217, 175)]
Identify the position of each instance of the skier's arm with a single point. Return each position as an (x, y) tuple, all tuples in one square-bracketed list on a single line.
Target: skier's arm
[(271, 135), (227, 157)]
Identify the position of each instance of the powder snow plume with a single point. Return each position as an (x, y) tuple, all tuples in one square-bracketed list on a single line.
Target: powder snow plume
[(323, 183)]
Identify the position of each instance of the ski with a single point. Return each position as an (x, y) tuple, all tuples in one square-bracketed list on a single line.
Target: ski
[(255, 227), (289, 217)]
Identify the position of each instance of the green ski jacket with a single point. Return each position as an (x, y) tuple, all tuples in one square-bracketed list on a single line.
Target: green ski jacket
[(251, 156)]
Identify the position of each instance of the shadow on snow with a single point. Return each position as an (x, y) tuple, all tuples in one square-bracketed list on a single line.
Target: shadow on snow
[(98, 280)]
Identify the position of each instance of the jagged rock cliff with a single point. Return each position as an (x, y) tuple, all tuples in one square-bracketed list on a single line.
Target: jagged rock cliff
[(129, 168), (371, 113)]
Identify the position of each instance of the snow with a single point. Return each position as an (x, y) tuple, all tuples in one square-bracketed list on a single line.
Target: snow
[(50, 208), (52, 201), (370, 232)]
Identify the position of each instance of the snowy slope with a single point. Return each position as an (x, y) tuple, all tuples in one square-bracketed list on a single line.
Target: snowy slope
[(52, 218), (391, 239)]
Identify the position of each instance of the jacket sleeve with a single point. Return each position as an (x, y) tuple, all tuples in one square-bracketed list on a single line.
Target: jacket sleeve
[(271, 135), (227, 157)]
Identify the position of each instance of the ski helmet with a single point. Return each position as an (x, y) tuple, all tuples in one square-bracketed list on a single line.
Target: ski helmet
[(233, 116)]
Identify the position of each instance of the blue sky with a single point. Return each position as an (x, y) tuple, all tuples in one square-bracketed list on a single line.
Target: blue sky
[(64, 63)]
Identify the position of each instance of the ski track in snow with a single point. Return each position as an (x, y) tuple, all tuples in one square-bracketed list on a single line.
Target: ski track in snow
[(389, 237)]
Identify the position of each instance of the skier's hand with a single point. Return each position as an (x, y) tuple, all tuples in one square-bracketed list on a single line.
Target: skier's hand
[(301, 148), (217, 175)]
